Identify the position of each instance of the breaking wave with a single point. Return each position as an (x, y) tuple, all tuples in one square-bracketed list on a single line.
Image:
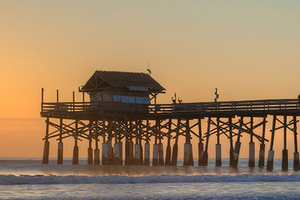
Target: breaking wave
[(72, 179)]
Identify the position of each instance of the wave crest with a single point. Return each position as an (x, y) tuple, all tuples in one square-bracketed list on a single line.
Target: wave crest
[(72, 179)]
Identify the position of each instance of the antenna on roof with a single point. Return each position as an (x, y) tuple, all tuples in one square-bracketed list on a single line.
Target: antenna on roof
[(148, 63)]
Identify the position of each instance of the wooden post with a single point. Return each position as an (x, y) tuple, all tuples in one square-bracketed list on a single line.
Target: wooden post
[(97, 150), (205, 152), (83, 102), (285, 164), (60, 144), (231, 151), (105, 149), (147, 146), (218, 145), (42, 100), (261, 161), (129, 145), (271, 152), (296, 154), (188, 150), (251, 146), (175, 147), (46, 145), (137, 148), (238, 144), (141, 161), (200, 144), (161, 161), (109, 143), (76, 148), (168, 151), (90, 149), (57, 96), (73, 101), (155, 158)]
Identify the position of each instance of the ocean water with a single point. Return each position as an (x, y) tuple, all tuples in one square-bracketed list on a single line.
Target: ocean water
[(29, 179)]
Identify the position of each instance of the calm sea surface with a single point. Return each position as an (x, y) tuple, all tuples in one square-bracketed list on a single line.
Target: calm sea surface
[(29, 179)]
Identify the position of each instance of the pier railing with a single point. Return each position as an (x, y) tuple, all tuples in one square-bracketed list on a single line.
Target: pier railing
[(230, 106), (266, 106)]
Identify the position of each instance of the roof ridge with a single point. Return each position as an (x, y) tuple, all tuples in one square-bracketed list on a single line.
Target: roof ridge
[(121, 72)]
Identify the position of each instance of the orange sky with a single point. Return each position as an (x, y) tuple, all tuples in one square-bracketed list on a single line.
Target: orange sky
[(248, 49)]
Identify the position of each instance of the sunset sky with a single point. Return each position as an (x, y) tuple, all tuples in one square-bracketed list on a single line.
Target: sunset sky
[(246, 49)]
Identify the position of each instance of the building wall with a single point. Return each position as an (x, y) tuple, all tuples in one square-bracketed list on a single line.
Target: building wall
[(122, 98), (101, 96)]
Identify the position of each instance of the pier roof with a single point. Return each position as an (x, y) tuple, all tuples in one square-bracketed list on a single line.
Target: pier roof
[(123, 80)]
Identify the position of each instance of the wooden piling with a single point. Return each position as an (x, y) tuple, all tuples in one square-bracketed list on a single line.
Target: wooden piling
[(175, 147), (251, 146), (296, 154), (188, 150), (60, 148), (118, 158), (147, 154), (46, 144), (218, 145), (168, 150), (271, 152), (200, 144), (90, 149), (238, 144), (155, 155), (261, 160), (161, 160), (75, 160), (231, 151), (147, 146), (96, 151), (60, 144), (204, 161), (285, 164)]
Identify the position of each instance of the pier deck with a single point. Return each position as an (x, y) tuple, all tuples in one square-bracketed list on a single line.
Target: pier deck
[(86, 110)]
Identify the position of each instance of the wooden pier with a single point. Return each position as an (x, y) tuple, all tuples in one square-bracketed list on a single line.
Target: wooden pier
[(122, 111)]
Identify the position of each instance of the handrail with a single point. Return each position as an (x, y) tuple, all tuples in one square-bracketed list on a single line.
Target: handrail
[(197, 107)]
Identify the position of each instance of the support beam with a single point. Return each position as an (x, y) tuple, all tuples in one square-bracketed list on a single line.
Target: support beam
[(147, 154), (285, 164), (155, 155), (105, 157), (137, 154), (75, 160), (200, 144), (60, 146), (251, 146), (238, 144), (231, 151), (188, 150), (218, 145), (147, 146), (261, 160), (97, 151), (118, 153), (270, 161), (168, 150), (296, 154), (175, 147), (46, 144), (90, 149), (161, 161), (204, 161)]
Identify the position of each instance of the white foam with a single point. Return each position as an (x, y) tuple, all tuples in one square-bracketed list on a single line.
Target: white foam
[(72, 179)]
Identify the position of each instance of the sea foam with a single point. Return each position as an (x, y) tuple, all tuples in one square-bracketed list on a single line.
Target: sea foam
[(73, 179)]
